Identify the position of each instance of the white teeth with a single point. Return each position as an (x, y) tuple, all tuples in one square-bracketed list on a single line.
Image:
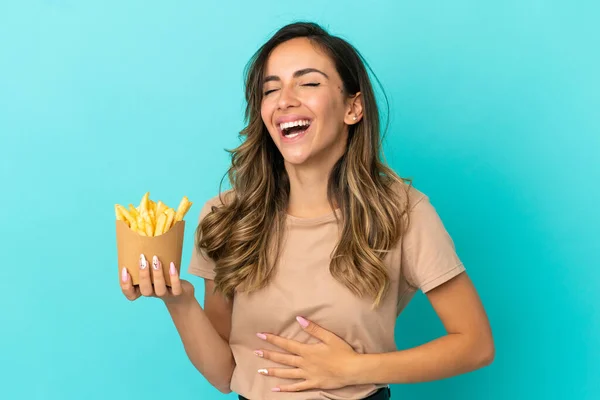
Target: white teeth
[(287, 125), (292, 135)]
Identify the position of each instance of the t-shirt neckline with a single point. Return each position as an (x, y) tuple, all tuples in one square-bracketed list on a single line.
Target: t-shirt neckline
[(313, 220)]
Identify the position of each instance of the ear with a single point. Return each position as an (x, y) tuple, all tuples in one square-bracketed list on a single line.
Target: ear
[(354, 109)]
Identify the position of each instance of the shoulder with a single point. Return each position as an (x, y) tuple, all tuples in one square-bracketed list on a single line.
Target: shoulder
[(216, 201), (219, 200), (408, 195)]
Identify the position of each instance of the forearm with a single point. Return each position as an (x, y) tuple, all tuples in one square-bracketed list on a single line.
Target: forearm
[(206, 349), (441, 358)]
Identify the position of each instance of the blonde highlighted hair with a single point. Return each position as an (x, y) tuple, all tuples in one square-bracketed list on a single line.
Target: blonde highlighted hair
[(244, 234)]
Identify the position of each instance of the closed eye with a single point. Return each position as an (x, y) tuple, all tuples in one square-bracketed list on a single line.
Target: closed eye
[(311, 84)]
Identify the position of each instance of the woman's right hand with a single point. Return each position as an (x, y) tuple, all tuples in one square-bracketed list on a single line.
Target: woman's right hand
[(180, 290)]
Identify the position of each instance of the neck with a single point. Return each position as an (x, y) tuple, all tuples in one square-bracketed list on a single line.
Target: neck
[(308, 182), (308, 191)]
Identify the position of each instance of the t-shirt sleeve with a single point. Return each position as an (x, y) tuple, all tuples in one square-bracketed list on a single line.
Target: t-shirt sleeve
[(200, 264), (429, 256)]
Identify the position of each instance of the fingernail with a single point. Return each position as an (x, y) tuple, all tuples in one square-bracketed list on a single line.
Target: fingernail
[(263, 371), (276, 390), (262, 336), (302, 321), (124, 274), (143, 262), (155, 263), (172, 269), (258, 353)]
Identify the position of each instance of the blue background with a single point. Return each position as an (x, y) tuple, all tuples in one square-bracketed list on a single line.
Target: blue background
[(494, 113)]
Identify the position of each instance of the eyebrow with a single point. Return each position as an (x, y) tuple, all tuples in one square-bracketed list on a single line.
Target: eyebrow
[(297, 74)]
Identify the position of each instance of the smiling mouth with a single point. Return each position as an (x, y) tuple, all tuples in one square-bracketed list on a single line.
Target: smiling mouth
[(294, 129)]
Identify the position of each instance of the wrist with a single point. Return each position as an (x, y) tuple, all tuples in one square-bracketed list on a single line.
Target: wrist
[(359, 368), (179, 302)]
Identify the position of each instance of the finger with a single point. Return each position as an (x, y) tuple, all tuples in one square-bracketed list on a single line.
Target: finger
[(286, 359), (127, 287), (145, 282), (295, 387), (160, 288), (287, 373), (316, 331), (176, 288), (286, 344)]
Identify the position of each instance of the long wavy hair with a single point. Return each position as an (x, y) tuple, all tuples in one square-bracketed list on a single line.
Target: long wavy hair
[(243, 235)]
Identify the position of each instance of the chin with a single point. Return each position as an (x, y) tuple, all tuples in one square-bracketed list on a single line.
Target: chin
[(295, 156), (295, 160)]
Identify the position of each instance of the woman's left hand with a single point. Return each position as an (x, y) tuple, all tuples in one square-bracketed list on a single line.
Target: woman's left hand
[(329, 364)]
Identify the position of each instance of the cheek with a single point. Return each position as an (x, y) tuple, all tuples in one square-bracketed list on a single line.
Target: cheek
[(265, 113), (324, 105), (332, 113)]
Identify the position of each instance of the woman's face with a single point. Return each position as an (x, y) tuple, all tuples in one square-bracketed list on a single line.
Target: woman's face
[(304, 107)]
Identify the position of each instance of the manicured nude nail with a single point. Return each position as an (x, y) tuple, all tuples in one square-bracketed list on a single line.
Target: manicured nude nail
[(155, 263), (276, 390), (259, 353), (172, 269), (263, 371), (124, 274), (262, 336), (143, 262)]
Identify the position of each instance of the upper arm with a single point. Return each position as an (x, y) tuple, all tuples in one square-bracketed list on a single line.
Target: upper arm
[(217, 309), (457, 304), (430, 262)]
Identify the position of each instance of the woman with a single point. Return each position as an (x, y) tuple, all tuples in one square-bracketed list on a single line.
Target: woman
[(318, 246)]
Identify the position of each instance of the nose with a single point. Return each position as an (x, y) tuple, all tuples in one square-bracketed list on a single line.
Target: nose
[(287, 98)]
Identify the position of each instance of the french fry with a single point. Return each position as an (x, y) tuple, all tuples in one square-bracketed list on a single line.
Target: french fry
[(144, 202), (148, 220), (125, 214), (183, 208), (141, 225), (119, 214), (152, 218), (170, 218), (134, 211), (161, 224), (160, 207)]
